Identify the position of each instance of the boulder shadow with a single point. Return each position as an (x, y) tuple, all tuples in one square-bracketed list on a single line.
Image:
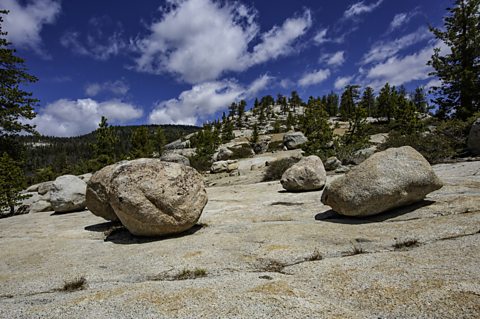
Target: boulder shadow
[(69, 212), (116, 233), (333, 217)]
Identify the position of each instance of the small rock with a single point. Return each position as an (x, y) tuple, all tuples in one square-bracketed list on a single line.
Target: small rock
[(33, 188), (332, 163), (68, 194), (294, 140), (342, 170), (306, 175), (389, 179), (175, 158), (224, 154), (474, 138), (261, 146), (361, 155), (45, 187), (224, 166), (41, 206)]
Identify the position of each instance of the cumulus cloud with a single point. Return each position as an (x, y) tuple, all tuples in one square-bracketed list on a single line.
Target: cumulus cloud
[(119, 88), (381, 51), (202, 100), (360, 8), (342, 82), (333, 59), (76, 117), (199, 40), (314, 77), (24, 23)]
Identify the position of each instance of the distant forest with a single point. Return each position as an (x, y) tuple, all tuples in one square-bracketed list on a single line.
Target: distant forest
[(59, 155)]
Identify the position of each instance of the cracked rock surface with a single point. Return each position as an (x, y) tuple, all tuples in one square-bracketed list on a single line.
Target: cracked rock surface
[(259, 252)]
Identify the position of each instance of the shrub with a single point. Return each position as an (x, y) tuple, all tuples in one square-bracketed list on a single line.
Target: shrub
[(75, 284), (191, 274), (242, 151), (276, 168), (275, 146), (200, 163)]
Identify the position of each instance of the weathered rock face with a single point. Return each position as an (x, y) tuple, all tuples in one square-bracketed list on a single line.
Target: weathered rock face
[(68, 194), (41, 206), (224, 166), (294, 140), (175, 158), (178, 144), (155, 198), (306, 175), (361, 155), (474, 138), (97, 193), (388, 179), (224, 154)]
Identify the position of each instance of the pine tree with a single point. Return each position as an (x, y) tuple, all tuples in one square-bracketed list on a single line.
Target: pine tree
[(255, 135), (159, 140), (332, 104), (12, 181), (316, 128), (142, 144), (386, 102), (458, 70), (419, 100), (105, 143), (349, 101), (368, 101)]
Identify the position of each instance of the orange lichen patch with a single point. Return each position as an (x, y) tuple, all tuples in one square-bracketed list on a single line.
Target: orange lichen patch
[(276, 247), (191, 254), (280, 288)]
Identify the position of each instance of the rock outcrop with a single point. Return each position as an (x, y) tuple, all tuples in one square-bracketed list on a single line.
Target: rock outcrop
[(294, 140), (224, 166), (306, 175), (474, 138), (387, 180), (68, 194), (155, 198)]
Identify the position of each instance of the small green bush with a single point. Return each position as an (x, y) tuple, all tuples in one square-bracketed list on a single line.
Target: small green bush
[(200, 163), (75, 284), (276, 168), (191, 274), (275, 146), (242, 151)]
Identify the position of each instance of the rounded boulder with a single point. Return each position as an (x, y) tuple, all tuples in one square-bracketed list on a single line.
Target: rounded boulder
[(306, 175), (67, 194), (155, 198)]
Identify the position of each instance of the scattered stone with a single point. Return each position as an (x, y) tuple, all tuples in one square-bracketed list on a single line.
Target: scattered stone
[(379, 138), (41, 206), (224, 166), (45, 187), (224, 154), (97, 193), (175, 158), (155, 198), (306, 175), (332, 163), (342, 170), (474, 138), (68, 194), (260, 147), (294, 140), (361, 155), (389, 179)]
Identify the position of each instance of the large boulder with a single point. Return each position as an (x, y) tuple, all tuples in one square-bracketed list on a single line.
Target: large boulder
[(332, 163), (97, 193), (387, 180), (306, 175), (45, 187), (294, 140), (175, 158), (224, 154), (68, 194), (474, 138), (41, 206), (155, 198)]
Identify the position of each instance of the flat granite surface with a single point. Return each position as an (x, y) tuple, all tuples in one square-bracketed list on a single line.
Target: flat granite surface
[(257, 252)]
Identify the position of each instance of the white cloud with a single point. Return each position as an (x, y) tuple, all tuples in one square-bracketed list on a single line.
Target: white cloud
[(314, 77), (202, 100), (76, 117), (401, 19), (24, 23), (381, 51), (400, 70), (333, 59), (321, 36), (341, 82), (199, 40), (359, 8), (100, 46), (119, 88)]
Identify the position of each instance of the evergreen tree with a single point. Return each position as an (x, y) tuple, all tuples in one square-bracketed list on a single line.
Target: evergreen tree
[(290, 121), (232, 110), (241, 112), (386, 102), (142, 144), (419, 100), (227, 132), (458, 70), (159, 140), (255, 134), (332, 104), (12, 181), (105, 144), (349, 101), (368, 101), (316, 128)]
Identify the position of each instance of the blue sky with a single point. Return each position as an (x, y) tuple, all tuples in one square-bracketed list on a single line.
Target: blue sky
[(184, 61)]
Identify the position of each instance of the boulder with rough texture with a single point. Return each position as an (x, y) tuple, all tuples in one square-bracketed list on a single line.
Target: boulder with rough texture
[(45, 187), (474, 138), (175, 158), (68, 194), (389, 179), (224, 154), (155, 198), (306, 175), (41, 206), (224, 166), (97, 193), (294, 140)]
